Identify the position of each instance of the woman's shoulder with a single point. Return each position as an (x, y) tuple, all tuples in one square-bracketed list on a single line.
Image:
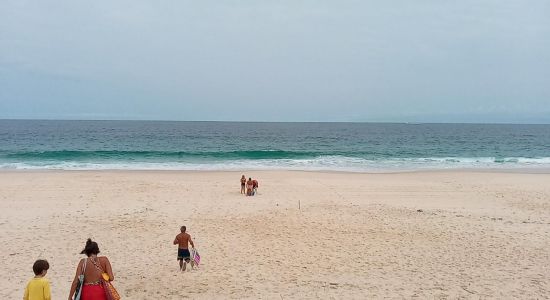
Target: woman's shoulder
[(103, 258)]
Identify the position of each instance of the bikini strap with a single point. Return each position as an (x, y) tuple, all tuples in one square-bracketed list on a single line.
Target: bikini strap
[(97, 265), (84, 266)]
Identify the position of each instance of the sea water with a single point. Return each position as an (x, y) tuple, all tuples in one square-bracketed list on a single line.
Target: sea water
[(357, 147)]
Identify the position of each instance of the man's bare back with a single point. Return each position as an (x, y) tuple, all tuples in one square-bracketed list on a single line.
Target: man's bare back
[(182, 240)]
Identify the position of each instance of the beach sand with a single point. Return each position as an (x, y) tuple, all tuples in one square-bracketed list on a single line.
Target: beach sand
[(459, 234)]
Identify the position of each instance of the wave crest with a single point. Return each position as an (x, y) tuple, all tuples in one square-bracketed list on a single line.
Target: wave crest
[(266, 162)]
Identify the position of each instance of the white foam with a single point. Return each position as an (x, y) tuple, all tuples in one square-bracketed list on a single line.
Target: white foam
[(324, 163)]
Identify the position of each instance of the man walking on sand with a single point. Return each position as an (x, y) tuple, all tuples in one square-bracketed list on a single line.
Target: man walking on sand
[(183, 240)]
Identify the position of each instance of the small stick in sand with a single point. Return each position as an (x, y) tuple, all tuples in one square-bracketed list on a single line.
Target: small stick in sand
[(467, 290)]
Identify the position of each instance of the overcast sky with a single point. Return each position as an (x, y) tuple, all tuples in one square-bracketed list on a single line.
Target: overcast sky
[(401, 61)]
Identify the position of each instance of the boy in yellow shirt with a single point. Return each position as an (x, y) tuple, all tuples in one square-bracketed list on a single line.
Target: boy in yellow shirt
[(38, 288)]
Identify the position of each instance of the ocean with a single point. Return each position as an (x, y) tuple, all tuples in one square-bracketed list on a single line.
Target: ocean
[(353, 147)]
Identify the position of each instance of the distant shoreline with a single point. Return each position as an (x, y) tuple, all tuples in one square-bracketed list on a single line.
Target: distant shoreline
[(382, 172), (276, 122)]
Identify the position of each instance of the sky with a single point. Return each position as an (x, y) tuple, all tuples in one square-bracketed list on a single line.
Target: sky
[(481, 61)]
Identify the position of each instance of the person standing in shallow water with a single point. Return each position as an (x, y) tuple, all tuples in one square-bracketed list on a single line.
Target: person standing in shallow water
[(183, 240), (243, 184), (92, 266)]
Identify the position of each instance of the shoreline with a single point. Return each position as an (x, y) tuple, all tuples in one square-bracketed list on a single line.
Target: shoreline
[(543, 170)]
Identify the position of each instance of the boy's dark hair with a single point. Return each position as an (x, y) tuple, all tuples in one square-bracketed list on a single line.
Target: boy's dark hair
[(90, 248), (40, 266)]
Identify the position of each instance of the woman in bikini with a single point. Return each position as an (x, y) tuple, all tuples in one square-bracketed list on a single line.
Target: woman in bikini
[(92, 267), (243, 184)]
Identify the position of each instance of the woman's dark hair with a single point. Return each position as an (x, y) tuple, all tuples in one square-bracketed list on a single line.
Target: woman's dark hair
[(39, 266), (90, 248)]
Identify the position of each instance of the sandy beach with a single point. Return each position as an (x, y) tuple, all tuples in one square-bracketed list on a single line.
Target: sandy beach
[(449, 235)]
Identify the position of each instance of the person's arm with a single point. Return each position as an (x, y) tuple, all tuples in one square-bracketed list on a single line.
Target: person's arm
[(108, 269), (75, 280), (191, 242), (47, 292), (176, 241)]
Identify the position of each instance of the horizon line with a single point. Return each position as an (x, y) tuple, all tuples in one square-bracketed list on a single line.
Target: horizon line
[(233, 121)]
